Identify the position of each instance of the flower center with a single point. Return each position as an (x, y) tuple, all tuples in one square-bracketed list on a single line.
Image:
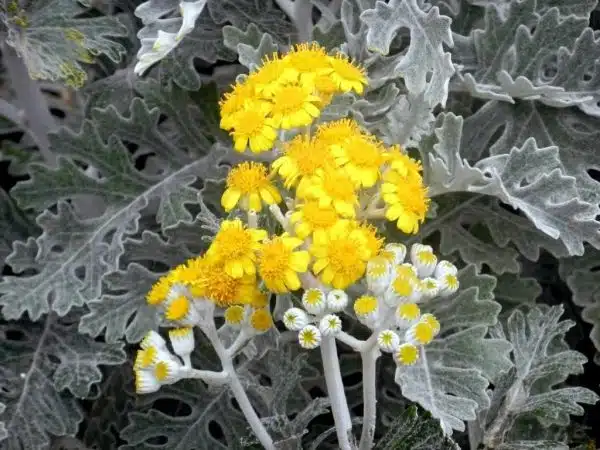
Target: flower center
[(344, 257), (319, 217), (233, 243), (178, 308), (363, 152), (339, 187), (313, 297), (365, 305), (275, 259), (248, 177), (161, 371), (288, 100), (250, 122)]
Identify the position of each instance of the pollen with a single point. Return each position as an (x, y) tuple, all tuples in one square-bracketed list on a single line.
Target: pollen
[(365, 305), (178, 308)]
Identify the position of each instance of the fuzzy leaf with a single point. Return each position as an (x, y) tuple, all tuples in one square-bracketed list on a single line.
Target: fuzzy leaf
[(428, 33), (73, 253), (451, 377), (56, 40), (14, 225), (40, 362), (251, 45), (542, 360)]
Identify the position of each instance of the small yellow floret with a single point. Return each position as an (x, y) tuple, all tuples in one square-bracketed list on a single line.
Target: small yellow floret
[(432, 321), (423, 332), (407, 354), (365, 305), (234, 315), (279, 263), (145, 358), (162, 370), (406, 199), (408, 311), (402, 286), (261, 320), (159, 291)]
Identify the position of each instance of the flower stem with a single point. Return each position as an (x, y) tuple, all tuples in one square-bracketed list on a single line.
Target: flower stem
[(335, 389), (369, 367)]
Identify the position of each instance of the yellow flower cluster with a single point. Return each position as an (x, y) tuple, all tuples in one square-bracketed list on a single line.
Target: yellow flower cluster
[(285, 93)]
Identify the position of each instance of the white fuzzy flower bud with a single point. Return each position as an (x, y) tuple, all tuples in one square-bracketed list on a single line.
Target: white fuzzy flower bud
[(388, 340), (448, 284), (189, 12), (444, 267), (167, 371), (337, 300), (366, 309), (314, 301), (309, 337), (425, 262), (398, 250), (330, 325), (378, 275), (420, 333), (295, 319), (145, 382), (407, 354), (417, 248), (407, 314), (153, 339), (182, 340), (429, 288)]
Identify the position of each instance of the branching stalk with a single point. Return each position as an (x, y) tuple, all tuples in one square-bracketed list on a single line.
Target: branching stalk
[(369, 368)]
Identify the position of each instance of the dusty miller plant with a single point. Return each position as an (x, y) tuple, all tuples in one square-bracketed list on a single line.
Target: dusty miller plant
[(114, 164)]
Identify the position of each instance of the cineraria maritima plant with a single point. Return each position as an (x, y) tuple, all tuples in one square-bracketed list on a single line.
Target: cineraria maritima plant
[(299, 224)]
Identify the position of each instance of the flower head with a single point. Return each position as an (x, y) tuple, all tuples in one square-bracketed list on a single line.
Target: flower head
[(233, 102), (261, 320), (235, 245), (366, 309), (310, 216), (234, 315), (337, 300), (302, 157), (337, 131), (295, 319), (294, 105), (406, 199), (273, 71), (216, 285), (421, 333), (252, 127), (159, 292), (314, 301), (167, 371), (145, 382), (309, 337), (279, 263), (341, 255), (153, 339), (332, 187), (330, 325), (248, 183), (445, 267), (448, 284), (379, 275), (402, 164), (361, 157), (407, 314), (429, 287), (307, 58), (388, 340), (182, 340), (181, 310)]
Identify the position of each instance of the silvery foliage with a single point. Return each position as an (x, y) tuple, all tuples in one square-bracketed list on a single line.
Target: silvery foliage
[(499, 98)]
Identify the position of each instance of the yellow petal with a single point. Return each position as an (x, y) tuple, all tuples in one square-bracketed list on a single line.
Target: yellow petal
[(255, 203), (230, 198), (320, 264), (299, 261)]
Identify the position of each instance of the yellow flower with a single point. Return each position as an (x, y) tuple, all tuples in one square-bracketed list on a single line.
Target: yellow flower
[(341, 254), (234, 315), (403, 164), (346, 75), (310, 216), (233, 102), (159, 291), (326, 88), (407, 354), (337, 131), (252, 127), (270, 74), (279, 264), (178, 308), (216, 285), (406, 199), (373, 242), (248, 183), (261, 320), (361, 157), (301, 158), (235, 246), (332, 187), (307, 58), (365, 305), (294, 105)]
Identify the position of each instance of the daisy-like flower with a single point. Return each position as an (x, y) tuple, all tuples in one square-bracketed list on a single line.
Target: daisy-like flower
[(407, 314), (330, 325), (421, 333), (402, 164), (294, 105), (307, 58), (314, 301), (167, 371), (145, 382), (252, 127), (366, 309), (429, 288), (220, 288), (295, 319), (326, 88), (234, 101), (341, 255), (406, 200), (270, 75), (348, 76), (310, 216), (337, 300), (379, 275), (235, 315), (388, 340), (302, 157), (249, 185), (361, 156), (181, 310), (182, 340), (448, 284), (147, 357), (279, 263), (407, 354), (309, 337), (332, 187), (153, 339), (373, 242), (236, 246), (261, 320), (337, 131)]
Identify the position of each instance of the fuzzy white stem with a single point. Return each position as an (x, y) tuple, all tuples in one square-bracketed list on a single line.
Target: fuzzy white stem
[(369, 367), (350, 341), (238, 390), (252, 219), (335, 389), (239, 342), (278, 215), (208, 376)]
